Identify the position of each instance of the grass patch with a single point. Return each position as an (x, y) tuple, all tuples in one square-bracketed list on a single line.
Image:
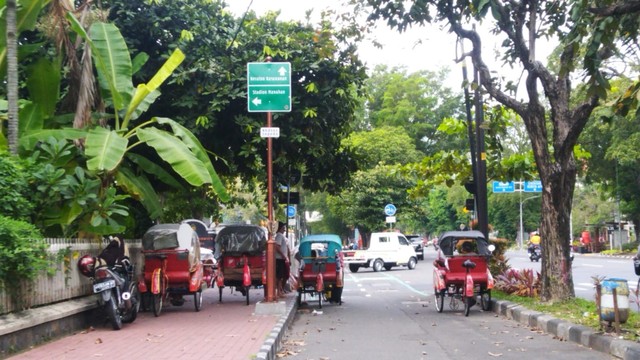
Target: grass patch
[(577, 311)]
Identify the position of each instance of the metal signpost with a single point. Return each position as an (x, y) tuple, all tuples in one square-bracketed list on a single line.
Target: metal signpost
[(523, 186), (269, 90), (390, 210)]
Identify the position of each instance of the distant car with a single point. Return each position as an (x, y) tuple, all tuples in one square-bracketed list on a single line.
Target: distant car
[(418, 246)]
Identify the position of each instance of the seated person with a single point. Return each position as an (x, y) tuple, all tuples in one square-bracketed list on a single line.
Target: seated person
[(467, 248)]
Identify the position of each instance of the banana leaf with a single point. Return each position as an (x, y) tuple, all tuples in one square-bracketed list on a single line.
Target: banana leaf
[(44, 85), (31, 138), (141, 189), (198, 150), (154, 169), (26, 18), (105, 149), (177, 154), (140, 101)]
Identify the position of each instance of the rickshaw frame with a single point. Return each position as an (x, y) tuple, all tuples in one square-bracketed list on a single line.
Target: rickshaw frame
[(240, 250), (463, 277), (321, 271), (170, 272)]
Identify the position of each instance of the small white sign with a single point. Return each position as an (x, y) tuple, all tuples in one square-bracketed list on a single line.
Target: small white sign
[(391, 219), (291, 222), (269, 132)]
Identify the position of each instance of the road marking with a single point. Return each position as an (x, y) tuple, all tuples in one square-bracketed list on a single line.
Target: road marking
[(407, 285), (593, 265)]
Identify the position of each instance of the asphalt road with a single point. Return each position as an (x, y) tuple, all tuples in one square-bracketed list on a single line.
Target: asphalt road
[(391, 315), (585, 267)]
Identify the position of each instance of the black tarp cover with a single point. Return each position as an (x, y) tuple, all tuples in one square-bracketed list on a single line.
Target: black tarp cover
[(241, 239), (448, 241)]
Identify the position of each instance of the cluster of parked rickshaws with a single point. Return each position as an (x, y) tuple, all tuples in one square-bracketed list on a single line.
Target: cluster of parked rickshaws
[(176, 265), (179, 263)]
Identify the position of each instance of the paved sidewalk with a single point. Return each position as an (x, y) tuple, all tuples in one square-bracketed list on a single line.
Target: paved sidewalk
[(227, 331)]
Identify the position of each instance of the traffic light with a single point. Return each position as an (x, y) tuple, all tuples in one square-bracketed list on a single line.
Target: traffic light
[(469, 204)]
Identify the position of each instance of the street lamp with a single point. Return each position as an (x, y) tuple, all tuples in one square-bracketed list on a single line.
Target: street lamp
[(521, 226)]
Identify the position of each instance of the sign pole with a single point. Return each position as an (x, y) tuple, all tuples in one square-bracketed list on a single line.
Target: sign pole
[(271, 258), (271, 266)]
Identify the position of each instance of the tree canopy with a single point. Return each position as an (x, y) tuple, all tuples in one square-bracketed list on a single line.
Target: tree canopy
[(587, 41)]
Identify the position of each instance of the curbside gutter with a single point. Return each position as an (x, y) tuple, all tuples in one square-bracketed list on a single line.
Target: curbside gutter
[(270, 347), (567, 331)]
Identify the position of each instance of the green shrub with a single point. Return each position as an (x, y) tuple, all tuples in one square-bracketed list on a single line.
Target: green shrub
[(14, 188), (630, 247), (24, 255)]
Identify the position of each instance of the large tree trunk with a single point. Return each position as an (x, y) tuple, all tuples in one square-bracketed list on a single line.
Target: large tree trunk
[(557, 279)]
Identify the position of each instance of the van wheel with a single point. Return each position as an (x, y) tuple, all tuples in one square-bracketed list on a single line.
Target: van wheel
[(412, 263), (354, 268), (378, 265)]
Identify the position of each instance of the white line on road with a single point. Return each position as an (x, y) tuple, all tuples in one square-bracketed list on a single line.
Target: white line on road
[(407, 285)]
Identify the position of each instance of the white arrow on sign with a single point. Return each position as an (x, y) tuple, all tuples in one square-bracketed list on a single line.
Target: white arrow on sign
[(256, 101), (282, 71)]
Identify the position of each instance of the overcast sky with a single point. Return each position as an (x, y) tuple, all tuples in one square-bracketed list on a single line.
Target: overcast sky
[(418, 48), (436, 51)]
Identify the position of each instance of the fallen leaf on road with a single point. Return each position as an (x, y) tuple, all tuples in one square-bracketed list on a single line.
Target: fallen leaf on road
[(286, 352), (98, 341), (495, 355), (295, 342)]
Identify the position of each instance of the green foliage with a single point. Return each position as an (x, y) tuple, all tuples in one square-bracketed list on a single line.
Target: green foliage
[(23, 253), (417, 102), (362, 202), (327, 79), (14, 188), (387, 145)]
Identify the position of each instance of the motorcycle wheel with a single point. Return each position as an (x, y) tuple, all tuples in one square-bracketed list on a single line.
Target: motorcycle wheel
[(157, 304), (485, 300), (354, 268), (299, 299), (113, 314), (439, 300), (197, 299), (246, 293), (131, 315)]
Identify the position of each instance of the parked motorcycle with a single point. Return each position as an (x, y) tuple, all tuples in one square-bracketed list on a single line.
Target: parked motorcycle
[(114, 281), (535, 253)]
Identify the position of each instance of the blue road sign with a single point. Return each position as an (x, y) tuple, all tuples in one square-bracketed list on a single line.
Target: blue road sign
[(291, 211), (532, 186), (389, 210), (504, 187)]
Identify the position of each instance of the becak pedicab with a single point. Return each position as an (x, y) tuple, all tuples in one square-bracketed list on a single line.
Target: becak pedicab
[(172, 266), (321, 270), (241, 256), (461, 270)]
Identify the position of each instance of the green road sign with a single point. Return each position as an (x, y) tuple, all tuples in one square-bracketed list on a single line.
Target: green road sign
[(269, 87)]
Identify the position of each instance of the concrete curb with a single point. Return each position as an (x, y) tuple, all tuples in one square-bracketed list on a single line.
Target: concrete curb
[(14, 322), (567, 331), (270, 347)]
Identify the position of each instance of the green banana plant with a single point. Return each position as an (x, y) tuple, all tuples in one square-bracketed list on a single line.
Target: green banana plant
[(106, 149)]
